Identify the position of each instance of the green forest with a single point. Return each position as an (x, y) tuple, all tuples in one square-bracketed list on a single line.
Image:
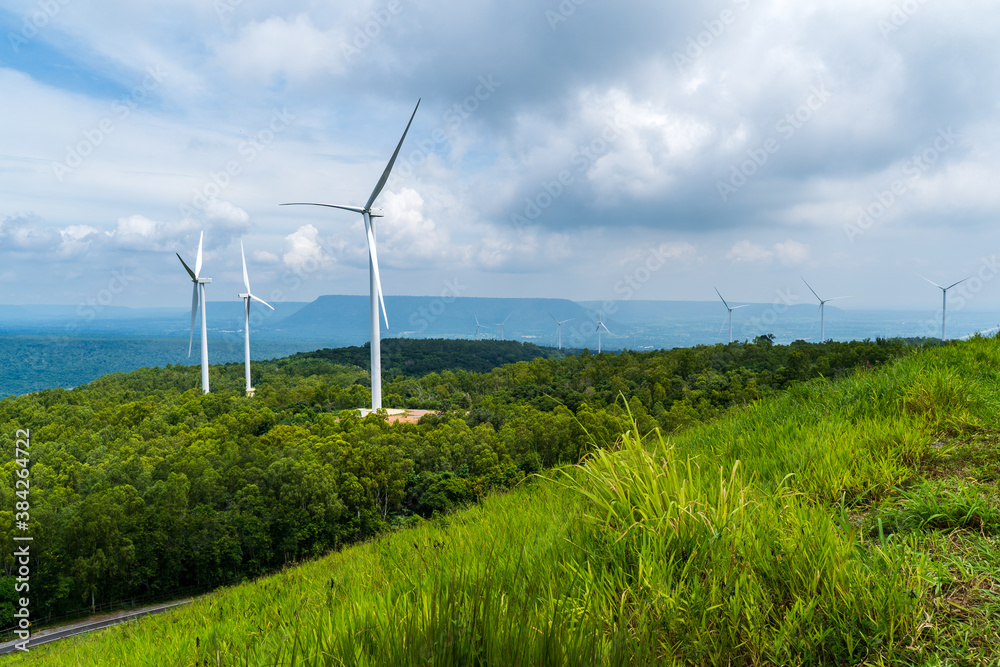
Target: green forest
[(142, 486)]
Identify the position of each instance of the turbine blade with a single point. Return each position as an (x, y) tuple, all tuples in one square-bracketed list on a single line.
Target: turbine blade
[(811, 289), (720, 296), (373, 253), (246, 278), (505, 320), (553, 317), (197, 261), (257, 298), (187, 268), (194, 310), (353, 209), (745, 305), (392, 160), (932, 282), (958, 283)]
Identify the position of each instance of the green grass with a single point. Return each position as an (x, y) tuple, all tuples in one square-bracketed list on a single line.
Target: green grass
[(842, 523)]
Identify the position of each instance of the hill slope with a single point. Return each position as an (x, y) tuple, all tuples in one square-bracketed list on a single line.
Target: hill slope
[(853, 522)]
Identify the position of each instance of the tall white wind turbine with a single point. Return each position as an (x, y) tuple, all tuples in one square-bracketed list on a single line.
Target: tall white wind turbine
[(730, 309), (600, 325), (944, 302), (501, 325), (375, 287), (198, 297), (822, 311), (478, 326), (247, 298), (559, 327)]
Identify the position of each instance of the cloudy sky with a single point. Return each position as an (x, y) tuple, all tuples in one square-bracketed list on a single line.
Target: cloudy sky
[(578, 149)]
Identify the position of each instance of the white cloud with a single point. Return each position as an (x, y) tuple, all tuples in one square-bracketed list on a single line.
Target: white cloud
[(791, 252), (304, 252), (745, 251)]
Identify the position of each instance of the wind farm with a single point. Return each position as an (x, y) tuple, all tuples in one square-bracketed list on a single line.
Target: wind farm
[(554, 453)]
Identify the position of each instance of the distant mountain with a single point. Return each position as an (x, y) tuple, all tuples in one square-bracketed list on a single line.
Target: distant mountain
[(344, 320)]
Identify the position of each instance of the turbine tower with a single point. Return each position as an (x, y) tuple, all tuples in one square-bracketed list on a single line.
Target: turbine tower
[(600, 325), (730, 309), (501, 324), (559, 327), (375, 281), (822, 311), (198, 297), (247, 298), (944, 302)]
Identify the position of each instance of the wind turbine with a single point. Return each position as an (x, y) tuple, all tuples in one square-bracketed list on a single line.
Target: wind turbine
[(198, 297), (500, 324), (478, 326), (944, 301), (559, 327), (600, 325), (730, 309), (247, 298), (822, 311), (375, 287)]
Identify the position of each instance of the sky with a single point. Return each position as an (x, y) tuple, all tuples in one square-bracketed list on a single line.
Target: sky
[(577, 149)]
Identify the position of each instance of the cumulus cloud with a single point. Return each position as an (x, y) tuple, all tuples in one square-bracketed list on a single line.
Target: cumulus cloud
[(745, 251), (304, 250), (137, 232)]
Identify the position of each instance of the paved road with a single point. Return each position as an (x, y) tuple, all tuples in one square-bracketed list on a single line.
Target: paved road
[(55, 634)]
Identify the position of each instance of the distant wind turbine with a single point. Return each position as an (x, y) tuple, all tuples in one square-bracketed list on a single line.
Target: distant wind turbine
[(559, 327), (247, 298), (822, 311), (478, 326), (501, 325), (198, 297), (369, 216), (944, 302), (600, 325), (730, 309)]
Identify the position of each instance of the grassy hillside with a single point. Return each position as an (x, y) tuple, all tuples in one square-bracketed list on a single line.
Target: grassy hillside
[(848, 522)]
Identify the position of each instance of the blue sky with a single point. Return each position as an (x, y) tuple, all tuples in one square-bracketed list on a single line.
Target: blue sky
[(560, 147)]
